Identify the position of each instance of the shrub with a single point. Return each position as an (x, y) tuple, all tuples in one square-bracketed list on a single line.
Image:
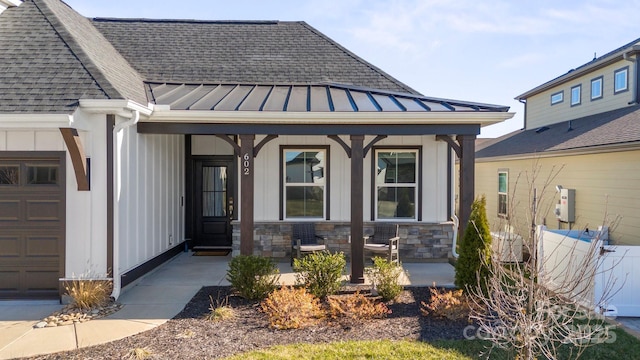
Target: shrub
[(475, 250), (385, 277), (253, 277), (88, 291), (320, 272), (448, 304), (219, 310), (291, 308), (356, 307)]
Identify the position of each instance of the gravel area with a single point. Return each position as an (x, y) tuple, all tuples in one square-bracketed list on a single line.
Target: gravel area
[(190, 336)]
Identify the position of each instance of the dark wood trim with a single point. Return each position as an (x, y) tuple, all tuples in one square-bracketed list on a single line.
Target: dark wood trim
[(340, 142), (189, 192), (78, 157), (373, 142), (467, 178), (247, 193), (327, 176), (232, 142), (262, 143), (304, 129), (452, 143), (449, 183), (419, 179), (357, 199), (135, 273), (110, 124)]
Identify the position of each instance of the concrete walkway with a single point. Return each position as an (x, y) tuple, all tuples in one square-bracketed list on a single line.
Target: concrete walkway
[(149, 302)]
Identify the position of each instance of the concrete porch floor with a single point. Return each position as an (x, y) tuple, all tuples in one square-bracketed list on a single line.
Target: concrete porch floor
[(149, 302)]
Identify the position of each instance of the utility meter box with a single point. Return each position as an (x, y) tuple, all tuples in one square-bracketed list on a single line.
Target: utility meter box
[(566, 210)]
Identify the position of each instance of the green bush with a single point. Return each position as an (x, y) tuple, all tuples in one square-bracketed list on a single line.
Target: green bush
[(385, 277), (253, 277), (475, 250), (320, 272)]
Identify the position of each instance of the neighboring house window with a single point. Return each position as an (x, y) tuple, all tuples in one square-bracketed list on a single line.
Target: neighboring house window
[(503, 192), (305, 182), (596, 88), (557, 97), (576, 95), (621, 80), (396, 184)]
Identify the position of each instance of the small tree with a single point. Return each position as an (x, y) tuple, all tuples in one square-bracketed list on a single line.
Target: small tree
[(475, 249)]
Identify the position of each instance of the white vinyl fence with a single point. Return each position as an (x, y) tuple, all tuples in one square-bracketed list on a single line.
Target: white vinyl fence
[(563, 253)]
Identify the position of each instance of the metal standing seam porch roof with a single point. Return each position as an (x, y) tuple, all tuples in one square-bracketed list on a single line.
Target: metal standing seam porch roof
[(300, 98)]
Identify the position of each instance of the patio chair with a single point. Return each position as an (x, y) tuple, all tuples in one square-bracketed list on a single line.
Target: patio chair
[(384, 241), (305, 241)]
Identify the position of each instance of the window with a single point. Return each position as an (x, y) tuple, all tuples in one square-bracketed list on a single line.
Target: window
[(576, 95), (9, 174), (396, 184), (42, 175), (621, 80), (596, 88), (503, 192), (557, 97), (305, 185)]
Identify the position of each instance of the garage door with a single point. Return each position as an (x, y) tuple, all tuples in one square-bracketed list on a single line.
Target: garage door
[(32, 209)]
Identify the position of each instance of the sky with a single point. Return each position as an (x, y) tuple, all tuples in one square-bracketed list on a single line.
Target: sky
[(487, 51)]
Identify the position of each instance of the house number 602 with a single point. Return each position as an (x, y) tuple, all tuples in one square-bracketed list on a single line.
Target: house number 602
[(245, 164)]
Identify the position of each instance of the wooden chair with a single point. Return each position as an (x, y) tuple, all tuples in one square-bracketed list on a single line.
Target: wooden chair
[(304, 240), (385, 240)]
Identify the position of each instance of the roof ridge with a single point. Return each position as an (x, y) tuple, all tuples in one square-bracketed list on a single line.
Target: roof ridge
[(75, 48), (84, 56), (195, 21), (358, 58)]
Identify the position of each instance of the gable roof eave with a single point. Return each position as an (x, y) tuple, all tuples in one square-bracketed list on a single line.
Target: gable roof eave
[(616, 55)]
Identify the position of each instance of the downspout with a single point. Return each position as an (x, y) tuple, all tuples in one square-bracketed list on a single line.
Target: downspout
[(135, 117), (456, 223), (634, 96), (524, 117)]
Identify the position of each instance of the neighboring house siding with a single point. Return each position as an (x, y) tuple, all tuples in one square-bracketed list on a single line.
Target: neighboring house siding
[(540, 112), (151, 210), (605, 184)]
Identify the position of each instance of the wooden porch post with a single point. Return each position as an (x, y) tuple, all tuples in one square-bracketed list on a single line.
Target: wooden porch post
[(467, 178), (246, 193), (357, 233)]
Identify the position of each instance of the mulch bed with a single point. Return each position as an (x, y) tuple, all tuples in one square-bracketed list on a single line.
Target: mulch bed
[(189, 336)]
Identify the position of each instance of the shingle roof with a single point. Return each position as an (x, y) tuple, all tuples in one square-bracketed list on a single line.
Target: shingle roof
[(52, 56), (619, 126), (300, 98), (188, 51)]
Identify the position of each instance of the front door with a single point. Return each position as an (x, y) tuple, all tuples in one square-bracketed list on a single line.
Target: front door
[(213, 211)]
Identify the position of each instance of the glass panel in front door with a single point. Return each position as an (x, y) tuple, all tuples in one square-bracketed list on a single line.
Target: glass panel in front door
[(214, 191)]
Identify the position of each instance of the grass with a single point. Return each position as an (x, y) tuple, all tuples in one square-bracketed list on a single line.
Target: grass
[(623, 348), (382, 349)]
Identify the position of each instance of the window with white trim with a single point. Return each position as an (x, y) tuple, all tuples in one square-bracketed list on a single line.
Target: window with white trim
[(621, 80), (396, 184), (503, 193), (576, 95), (305, 183), (596, 88), (557, 98)]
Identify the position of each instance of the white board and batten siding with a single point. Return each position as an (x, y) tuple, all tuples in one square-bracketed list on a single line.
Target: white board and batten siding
[(85, 236), (434, 176), (151, 199)]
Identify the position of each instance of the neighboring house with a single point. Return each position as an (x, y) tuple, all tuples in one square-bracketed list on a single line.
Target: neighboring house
[(587, 120), (123, 140)]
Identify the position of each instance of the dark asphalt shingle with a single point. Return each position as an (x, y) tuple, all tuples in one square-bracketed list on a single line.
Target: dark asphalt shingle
[(259, 52), (609, 128)]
